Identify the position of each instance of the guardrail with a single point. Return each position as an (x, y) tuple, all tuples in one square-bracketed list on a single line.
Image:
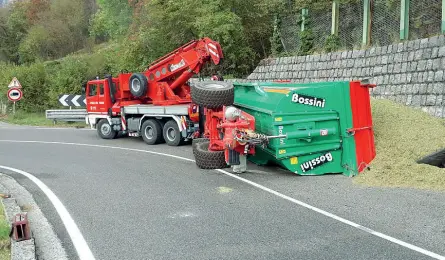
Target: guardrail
[(67, 115)]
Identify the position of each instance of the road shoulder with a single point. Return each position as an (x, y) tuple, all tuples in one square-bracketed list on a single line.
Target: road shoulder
[(47, 244)]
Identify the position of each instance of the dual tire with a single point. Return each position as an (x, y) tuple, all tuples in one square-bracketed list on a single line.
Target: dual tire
[(154, 132)]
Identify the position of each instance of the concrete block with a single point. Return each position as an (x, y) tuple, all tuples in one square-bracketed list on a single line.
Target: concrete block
[(409, 77), (418, 55), (397, 68), (409, 99), (442, 63), (416, 100), (415, 89), (430, 76), (430, 100), (435, 52), (441, 51), (423, 88), (398, 57), (429, 64), (433, 41), (436, 64), (438, 76), (404, 67), (416, 44), (414, 78), (427, 53), (421, 65)]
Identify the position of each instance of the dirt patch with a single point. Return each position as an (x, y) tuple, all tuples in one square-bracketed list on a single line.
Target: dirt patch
[(404, 135)]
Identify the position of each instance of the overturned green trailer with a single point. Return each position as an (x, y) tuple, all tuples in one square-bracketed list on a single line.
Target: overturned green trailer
[(307, 128), (328, 125)]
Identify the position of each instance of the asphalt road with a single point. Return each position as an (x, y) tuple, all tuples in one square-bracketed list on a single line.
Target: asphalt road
[(135, 205)]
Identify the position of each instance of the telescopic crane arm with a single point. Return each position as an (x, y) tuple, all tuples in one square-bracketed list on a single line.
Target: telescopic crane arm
[(167, 77)]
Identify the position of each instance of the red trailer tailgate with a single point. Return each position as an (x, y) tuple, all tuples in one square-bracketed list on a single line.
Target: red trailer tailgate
[(362, 123)]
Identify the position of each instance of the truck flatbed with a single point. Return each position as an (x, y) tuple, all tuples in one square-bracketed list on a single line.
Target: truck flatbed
[(179, 110)]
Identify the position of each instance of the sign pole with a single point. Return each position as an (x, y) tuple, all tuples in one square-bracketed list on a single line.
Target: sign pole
[(13, 108)]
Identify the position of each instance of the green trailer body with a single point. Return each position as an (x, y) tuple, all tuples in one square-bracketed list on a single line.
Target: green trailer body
[(328, 125)]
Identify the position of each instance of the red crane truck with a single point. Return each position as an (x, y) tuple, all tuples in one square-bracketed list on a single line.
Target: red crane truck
[(155, 104)]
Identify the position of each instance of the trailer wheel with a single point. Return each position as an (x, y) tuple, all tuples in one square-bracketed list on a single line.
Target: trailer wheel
[(206, 159), (138, 85), (197, 141), (151, 132), (172, 135), (212, 94), (105, 130)]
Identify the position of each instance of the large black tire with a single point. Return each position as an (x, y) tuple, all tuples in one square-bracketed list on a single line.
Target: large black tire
[(197, 141), (105, 130), (171, 133), (206, 159), (212, 94), (151, 132), (138, 85)]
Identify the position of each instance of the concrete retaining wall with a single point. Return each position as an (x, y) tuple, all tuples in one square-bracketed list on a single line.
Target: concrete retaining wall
[(411, 73)]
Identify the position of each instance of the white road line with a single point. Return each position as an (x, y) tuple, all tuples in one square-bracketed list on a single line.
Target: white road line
[(79, 242), (100, 146), (259, 186), (45, 128)]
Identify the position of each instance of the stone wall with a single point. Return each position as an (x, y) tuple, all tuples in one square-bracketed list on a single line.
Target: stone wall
[(411, 73)]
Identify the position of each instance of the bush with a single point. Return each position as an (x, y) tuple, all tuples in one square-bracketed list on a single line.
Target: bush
[(33, 78)]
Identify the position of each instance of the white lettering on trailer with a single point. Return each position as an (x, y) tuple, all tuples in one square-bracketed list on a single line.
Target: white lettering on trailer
[(308, 100), (316, 162), (280, 132), (175, 67)]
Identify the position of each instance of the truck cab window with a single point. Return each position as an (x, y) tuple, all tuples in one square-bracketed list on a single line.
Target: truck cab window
[(101, 89), (92, 90)]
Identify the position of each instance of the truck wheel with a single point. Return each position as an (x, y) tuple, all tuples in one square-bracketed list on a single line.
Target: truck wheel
[(138, 85), (151, 132), (206, 159), (172, 135), (212, 94), (197, 141), (105, 130)]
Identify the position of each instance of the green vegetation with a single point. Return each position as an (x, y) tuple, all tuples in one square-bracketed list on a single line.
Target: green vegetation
[(403, 135), (37, 119), (5, 244), (53, 47)]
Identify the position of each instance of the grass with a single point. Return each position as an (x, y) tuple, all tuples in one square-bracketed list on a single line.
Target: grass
[(5, 244), (402, 136), (36, 119)]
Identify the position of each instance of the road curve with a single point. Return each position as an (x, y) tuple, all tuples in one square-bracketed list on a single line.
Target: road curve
[(136, 205)]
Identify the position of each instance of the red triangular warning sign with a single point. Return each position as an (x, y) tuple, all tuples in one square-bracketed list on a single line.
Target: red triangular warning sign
[(15, 83)]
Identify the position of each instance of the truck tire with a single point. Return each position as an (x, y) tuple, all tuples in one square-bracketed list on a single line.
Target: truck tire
[(212, 94), (197, 141), (105, 130), (151, 132), (206, 159), (171, 133), (138, 85)]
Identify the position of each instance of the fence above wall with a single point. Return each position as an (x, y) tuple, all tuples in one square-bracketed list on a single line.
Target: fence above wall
[(361, 23)]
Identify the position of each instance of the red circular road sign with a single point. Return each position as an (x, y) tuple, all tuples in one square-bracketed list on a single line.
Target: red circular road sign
[(15, 94)]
